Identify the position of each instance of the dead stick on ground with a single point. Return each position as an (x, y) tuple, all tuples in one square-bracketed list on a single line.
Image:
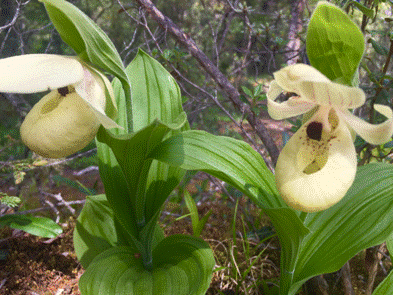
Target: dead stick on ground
[(77, 202), (346, 277), (59, 200), (373, 257), (232, 93)]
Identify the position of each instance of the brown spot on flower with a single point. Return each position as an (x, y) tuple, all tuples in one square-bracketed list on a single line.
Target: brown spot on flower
[(314, 130), (63, 91)]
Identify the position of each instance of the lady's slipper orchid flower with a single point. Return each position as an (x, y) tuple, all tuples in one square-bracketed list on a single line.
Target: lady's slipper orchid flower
[(318, 164), (66, 119)]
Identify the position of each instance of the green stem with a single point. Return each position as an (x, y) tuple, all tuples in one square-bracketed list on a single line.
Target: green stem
[(150, 235), (148, 259), (127, 93), (140, 200), (303, 216)]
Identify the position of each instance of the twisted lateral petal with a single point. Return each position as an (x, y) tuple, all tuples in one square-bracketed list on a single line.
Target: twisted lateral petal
[(92, 89), (374, 134), (290, 77), (294, 106), (38, 72), (316, 189), (110, 106), (58, 126)]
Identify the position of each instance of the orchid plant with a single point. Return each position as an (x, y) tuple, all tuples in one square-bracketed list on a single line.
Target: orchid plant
[(144, 152)]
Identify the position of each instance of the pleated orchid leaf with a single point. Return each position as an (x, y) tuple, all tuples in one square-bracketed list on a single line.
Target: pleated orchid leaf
[(318, 164), (87, 39)]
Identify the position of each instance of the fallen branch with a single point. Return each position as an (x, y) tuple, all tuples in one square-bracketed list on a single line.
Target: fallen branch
[(77, 202), (346, 279), (59, 200)]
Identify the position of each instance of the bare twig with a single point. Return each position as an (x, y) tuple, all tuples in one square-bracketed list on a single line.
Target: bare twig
[(168, 25), (13, 21), (54, 163), (60, 200), (54, 209), (346, 278), (226, 22), (86, 170), (32, 211), (317, 285), (2, 283), (373, 258)]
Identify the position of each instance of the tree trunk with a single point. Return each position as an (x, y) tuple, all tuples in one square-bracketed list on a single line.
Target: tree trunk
[(293, 47)]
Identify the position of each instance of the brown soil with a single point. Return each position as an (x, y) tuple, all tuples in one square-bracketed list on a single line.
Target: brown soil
[(39, 266)]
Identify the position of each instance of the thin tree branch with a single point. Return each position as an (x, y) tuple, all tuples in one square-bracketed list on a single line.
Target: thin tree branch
[(13, 21), (168, 25), (346, 279), (32, 211)]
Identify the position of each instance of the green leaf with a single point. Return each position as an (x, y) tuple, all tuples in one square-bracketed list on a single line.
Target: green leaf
[(335, 44), (98, 230), (201, 224), (85, 37), (258, 90), (291, 233), (365, 10), (197, 225), (190, 203), (125, 166), (95, 229), (38, 226), (389, 244), (362, 219), (231, 160), (247, 91), (156, 95), (10, 201), (182, 265), (110, 172), (380, 49), (131, 153)]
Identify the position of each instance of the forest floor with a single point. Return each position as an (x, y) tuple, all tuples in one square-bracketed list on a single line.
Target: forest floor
[(31, 265)]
